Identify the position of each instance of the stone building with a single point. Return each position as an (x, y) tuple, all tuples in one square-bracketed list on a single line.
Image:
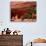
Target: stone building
[(11, 40)]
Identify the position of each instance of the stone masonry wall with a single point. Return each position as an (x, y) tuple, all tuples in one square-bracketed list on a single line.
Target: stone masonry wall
[(11, 40)]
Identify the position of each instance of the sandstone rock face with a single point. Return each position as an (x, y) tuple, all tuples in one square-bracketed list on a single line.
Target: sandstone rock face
[(22, 4), (39, 40)]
